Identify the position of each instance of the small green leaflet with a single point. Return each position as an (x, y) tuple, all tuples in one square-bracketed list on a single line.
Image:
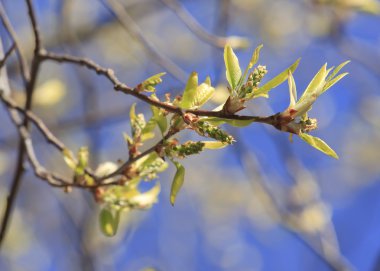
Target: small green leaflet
[(337, 69), (315, 87), (319, 144), (195, 96), (236, 123), (83, 155), (152, 81), (190, 91), (233, 71), (292, 90), (252, 62), (333, 81), (177, 181), (279, 79), (108, 222), (159, 117), (213, 145), (69, 158)]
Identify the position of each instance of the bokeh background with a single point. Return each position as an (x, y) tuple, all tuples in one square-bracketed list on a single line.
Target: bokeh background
[(261, 204)]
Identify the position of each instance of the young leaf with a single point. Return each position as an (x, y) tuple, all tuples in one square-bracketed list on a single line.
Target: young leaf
[(177, 182), (333, 81), (233, 71), (252, 62), (213, 145), (203, 94), (148, 131), (236, 123), (279, 79), (108, 222), (83, 155), (150, 83), (319, 144), (315, 87), (160, 118), (69, 159), (190, 91), (292, 90), (337, 69), (132, 113)]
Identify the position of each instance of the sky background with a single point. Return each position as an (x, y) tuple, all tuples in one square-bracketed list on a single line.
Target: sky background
[(222, 219)]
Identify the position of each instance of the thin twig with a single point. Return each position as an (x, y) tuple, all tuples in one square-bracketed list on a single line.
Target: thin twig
[(50, 137), (24, 143), (119, 86), (20, 54), (6, 55)]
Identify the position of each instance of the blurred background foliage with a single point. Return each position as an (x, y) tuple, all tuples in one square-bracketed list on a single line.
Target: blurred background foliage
[(260, 204)]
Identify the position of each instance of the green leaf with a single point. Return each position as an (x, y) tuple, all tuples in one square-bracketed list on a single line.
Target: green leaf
[(236, 123), (319, 144), (203, 93), (160, 118), (128, 139), (83, 155), (233, 71), (213, 145), (68, 157), (177, 183), (108, 222), (332, 82), (150, 164), (337, 69), (292, 90), (279, 79), (190, 91), (152, 81), (132, 113), (252, 62), (315, 87), (255, 56), (148, 130)]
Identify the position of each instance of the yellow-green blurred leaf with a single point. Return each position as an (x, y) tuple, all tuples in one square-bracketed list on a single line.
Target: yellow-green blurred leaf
[(236, 123), (83, 155), (69, 158), (190, 91), (177, 183), (108, 222), (213, 145)]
